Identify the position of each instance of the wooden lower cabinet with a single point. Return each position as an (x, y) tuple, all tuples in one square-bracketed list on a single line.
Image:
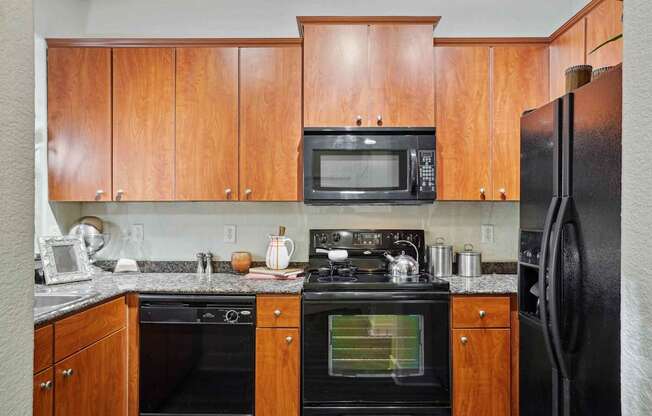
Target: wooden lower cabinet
[(94, 380), (277, 371), (43, 393), (481, 372)]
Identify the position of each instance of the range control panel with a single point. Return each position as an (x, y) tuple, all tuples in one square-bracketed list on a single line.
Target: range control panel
[(427, 171)]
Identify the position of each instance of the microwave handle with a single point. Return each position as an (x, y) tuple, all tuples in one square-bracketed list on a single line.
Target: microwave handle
[(413, 171)]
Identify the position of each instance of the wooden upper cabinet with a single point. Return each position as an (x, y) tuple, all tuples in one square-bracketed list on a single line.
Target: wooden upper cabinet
[(143, 124), (206, 124), (567, 50), (481, 372), (270, 123), (519, 83), (336, 82), (94, 380), (603, 23), (463, 147), (79, 124), (401, 75)]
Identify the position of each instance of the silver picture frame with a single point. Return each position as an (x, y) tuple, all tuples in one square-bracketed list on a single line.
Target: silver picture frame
[(64, 259)]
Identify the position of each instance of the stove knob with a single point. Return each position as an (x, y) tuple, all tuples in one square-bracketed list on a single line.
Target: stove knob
[(323, 238), (231, 316), (336, 237)]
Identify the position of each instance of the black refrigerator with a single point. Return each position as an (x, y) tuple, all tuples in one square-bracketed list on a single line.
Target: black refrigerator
[(569, 257)]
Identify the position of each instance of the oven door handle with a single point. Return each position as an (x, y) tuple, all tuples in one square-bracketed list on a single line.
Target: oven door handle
[(413, 171)]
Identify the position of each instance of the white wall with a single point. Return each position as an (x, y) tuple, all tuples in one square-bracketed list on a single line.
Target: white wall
[(17, 206), (636, 292), (176, 231)]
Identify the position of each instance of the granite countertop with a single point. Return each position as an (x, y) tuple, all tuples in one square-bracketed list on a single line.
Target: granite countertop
[(106, 286), (485, 284)]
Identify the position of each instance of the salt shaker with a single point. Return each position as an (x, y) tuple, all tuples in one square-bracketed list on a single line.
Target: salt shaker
[(200, 263), (209, 264)]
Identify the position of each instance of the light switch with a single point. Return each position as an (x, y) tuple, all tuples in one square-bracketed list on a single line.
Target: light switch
[(487, 231), (229, 234)]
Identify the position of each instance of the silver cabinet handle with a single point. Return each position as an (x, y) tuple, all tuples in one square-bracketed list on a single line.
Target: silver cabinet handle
[(67, 373), (47, 385), (99, 193), (119, 193), (288, 340), (227, 192), (358, 120), (482, 193), (277, 313), (379, 119), (464, 340), (248, 191), (503, 192), (482, 314)]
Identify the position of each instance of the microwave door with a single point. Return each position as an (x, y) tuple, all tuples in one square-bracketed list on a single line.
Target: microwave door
[(360, 168)]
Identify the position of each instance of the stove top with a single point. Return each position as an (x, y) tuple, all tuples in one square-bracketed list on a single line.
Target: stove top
[(316, 282)]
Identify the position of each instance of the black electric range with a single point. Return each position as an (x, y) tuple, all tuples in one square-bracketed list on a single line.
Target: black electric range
[(373, 344)]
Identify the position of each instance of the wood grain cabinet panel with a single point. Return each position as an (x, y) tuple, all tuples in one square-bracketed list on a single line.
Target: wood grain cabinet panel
[(43, 397), (206, 165), (481, 312), (603, 23), (463, 147), (336, 78), (565, 51), (481, 372), (94, 380), (278, 311), (402, 92), (143, 124), (270, 124), (79, 124), (84, 328), (43, 348), (277, 371), (519, 83)]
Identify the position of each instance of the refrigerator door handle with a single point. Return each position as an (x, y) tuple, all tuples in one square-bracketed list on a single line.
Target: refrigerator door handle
[(555, 327), (543, 292)]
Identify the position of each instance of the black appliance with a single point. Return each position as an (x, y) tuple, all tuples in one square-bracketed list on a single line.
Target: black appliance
[(373, 344), (569, 261), (196, 355), (369, 165)]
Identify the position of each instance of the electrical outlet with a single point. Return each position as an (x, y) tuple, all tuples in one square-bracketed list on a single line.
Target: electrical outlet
[(137, 232), (487, 231), (229, 234)]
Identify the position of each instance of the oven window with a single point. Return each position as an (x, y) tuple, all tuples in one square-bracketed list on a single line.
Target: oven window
[(366, 170), (376, 345)]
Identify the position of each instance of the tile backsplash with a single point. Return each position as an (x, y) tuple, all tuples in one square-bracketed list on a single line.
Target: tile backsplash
[(178, 230)]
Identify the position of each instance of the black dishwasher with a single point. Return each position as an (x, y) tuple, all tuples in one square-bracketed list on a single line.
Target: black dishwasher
[(196, 355)]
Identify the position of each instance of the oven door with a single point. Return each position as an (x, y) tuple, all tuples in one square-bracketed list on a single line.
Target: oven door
[(376, 349), (359, 167)]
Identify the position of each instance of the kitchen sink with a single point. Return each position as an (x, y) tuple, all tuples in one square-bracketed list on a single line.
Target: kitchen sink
[(44, 302)]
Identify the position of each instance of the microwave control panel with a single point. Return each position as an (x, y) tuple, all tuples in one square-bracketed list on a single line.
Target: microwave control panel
[(426, 171)]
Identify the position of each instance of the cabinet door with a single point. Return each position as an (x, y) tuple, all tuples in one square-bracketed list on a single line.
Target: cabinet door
[(43, 393), (270, 123), (402, 91), (79, 124), (143, 124), (94, 380), (277, 372), (565, 51), (603, 23), (336, 75), (206, 165), (481, 372), (463, 149), (520, 82)]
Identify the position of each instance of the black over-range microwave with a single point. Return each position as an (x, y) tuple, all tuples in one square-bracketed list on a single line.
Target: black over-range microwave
[(369, 165)]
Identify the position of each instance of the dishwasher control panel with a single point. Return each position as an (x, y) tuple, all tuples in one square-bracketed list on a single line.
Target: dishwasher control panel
[(195, 310)]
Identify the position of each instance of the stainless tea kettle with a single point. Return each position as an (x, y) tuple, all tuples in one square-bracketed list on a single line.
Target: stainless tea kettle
[(403, 265)]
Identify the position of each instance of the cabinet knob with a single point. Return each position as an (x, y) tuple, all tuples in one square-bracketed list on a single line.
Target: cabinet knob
[(99, 193), (288, 340), (482, 314), (119, 193), (358, 120), (379, 119), (46, 385), (248, 191), (503, 193), (227, 192), (464, 340), (482, 193), (67, 372), (277, 313)]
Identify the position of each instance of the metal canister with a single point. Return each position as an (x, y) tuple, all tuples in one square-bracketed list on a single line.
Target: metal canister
[(440, 259), (469, 262)]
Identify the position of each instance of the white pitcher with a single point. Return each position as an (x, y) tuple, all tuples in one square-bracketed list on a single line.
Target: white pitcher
[(277, 257)]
